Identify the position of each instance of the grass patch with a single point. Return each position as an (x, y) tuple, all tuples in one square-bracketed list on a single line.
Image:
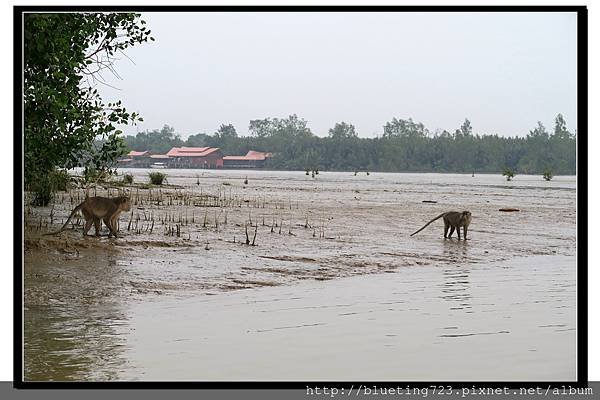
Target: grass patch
[(157, 178), (128, 179)]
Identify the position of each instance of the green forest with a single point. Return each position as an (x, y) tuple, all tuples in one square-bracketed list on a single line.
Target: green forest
[(403, 146)]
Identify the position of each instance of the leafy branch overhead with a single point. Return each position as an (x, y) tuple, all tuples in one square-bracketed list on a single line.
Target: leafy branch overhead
[(66, 56)]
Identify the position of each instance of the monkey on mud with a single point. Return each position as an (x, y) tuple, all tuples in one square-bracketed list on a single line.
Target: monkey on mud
[(96, 209), (452, 220)]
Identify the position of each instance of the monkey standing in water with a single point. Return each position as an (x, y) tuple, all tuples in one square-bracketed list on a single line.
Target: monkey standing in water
[(95, 209), (452, 220)]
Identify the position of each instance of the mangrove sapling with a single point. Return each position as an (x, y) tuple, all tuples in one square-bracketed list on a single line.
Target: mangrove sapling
[(321, 226), (508, 173), (254, 238)]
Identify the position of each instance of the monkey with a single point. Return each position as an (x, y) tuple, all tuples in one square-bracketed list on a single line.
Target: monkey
[(452, 220), (96, 209)]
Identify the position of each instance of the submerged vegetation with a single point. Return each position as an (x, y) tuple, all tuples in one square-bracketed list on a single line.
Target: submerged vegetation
[(508, 173), (403, 146), (178, 212)]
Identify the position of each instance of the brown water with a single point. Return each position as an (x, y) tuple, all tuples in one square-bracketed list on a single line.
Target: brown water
[(343, 292)]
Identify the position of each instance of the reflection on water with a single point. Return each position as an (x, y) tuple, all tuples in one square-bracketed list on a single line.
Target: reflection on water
[(74, 323), (455, 288), (456, 250), (67, 343)]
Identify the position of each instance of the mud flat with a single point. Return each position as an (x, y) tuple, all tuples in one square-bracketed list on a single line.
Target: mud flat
[(181, 282)]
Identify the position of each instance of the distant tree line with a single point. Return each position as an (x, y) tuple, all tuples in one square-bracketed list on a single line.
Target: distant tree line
[(404, 146)]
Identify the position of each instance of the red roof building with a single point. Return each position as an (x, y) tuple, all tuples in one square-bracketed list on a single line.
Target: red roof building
[(159, 157), (195, 157), (252, 159), (135, 159), (134, 153)]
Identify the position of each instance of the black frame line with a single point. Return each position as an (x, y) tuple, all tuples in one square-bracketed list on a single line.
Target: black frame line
[(581, 177)]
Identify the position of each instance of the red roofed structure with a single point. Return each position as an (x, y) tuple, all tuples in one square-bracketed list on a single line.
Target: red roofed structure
[(135, 159), (134, 153), (195, 157), (252, 159)]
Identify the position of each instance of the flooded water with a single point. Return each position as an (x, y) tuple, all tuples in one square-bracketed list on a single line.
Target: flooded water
[(334, 288)]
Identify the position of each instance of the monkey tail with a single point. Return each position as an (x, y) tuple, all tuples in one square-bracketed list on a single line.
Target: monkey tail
[(68, 220), (427, 224)]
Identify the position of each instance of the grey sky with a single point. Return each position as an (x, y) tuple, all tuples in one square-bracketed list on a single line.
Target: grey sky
[(503, 71)]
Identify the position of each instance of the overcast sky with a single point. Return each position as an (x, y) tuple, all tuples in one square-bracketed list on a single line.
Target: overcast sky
[(503, 71)]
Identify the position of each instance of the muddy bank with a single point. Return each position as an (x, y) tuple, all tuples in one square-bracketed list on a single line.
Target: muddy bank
[(194, 239)]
